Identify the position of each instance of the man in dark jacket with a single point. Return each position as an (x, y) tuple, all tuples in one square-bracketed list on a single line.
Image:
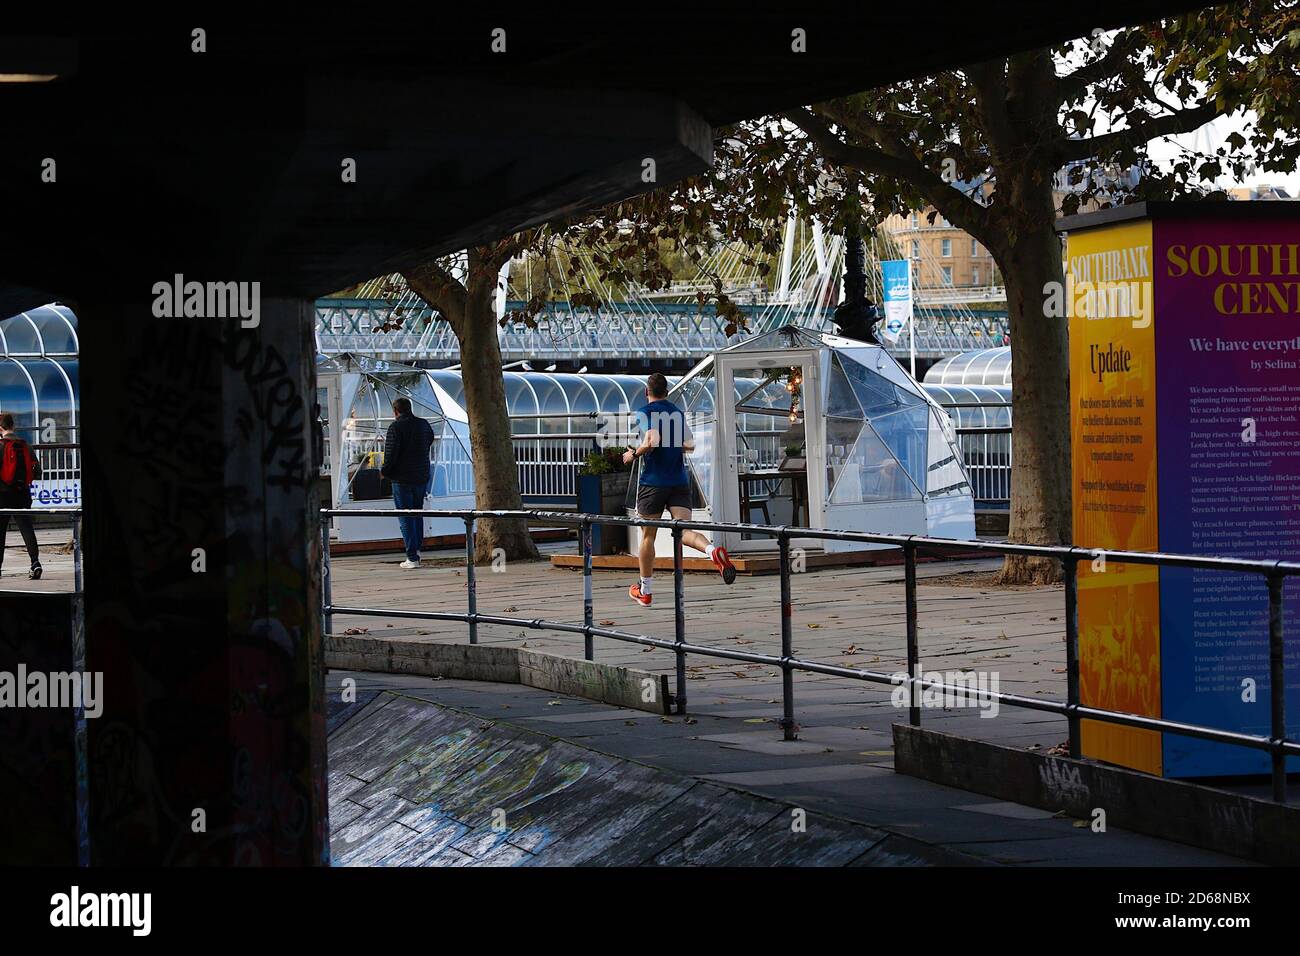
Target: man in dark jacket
[(17, 492), (406, 465)]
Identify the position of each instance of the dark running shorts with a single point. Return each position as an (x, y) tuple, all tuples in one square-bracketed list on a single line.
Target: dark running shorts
[(653, 500)]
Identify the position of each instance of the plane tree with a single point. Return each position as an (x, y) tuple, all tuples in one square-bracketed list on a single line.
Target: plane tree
[(985, 147)]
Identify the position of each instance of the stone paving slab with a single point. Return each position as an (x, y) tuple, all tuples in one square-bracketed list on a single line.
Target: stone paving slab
[(56, 566), (441, 787), (918, 817)]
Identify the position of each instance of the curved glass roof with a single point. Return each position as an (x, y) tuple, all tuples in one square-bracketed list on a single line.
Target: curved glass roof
[(539, 403), (974, 406), (39, 375), (554, 393), (47, 331), (982, 367)]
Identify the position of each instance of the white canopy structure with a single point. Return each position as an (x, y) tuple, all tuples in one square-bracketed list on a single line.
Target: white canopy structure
[(819, 431)]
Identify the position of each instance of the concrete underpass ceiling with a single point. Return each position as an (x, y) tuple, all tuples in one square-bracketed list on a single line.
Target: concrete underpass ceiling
[(226, 165)]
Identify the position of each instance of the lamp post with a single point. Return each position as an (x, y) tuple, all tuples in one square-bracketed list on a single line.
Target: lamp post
[(855, 316)]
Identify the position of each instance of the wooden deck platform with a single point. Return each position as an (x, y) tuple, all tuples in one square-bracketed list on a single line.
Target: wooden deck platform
[(762, 563)]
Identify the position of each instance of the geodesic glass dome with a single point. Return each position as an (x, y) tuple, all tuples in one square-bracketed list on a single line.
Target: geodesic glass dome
[(821, 431)]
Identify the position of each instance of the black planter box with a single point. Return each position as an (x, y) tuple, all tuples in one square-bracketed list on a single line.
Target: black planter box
[(604, 495)]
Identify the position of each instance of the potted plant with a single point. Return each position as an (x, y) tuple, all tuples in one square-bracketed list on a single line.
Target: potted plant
[(602, 488)]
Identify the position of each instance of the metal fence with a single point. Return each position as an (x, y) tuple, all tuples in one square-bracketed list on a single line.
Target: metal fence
[(1274, 573), (60, 481), (986, 453), (631, 330), (548, 465)]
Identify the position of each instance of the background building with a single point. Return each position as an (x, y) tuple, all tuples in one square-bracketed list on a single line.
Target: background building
[(1260, 192), (943, 256)]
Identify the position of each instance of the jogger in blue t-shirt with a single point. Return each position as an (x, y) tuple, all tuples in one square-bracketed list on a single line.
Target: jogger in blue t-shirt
[(665, 441)]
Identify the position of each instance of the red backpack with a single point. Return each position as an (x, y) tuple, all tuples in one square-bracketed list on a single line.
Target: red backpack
[(17, 464)]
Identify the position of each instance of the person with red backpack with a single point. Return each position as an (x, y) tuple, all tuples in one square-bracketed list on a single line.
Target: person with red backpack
[(19, 467)]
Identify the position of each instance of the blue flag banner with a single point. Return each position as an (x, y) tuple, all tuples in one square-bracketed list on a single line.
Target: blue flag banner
[(896, 275)]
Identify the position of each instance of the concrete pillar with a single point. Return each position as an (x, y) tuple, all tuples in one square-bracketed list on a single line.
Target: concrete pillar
[(40, 764), (202, 586)]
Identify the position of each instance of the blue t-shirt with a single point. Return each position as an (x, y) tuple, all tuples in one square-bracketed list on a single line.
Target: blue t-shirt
[(665, 465)]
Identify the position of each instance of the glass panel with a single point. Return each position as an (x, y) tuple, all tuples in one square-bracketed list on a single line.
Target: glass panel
[(55, 401), (520, 400), (581, 399), (388, 390), (628, 393), (552, 401), (878, 395), (16, 397), (450, 382), (944, 473), (841, 437), (763, 394), (73, 371), (20, 336), (790, 337), (420, 392), (768, 415), (872, 473), (612, 397), (907, 434), (700, 463), (840, 399), (451, 472), (363, 435), (55, 330), (696, 394), (322, 412)]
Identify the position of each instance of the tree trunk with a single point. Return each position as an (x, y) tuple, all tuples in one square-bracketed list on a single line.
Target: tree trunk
[(1030, 259), (496, 476)]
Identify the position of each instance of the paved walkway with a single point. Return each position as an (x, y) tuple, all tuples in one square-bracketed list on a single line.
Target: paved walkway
[(837, 770), (56, 560), (853, 617), (842, 764)]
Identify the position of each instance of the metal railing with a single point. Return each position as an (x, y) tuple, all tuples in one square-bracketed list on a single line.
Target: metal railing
[(1274, 572), (986, 452), (60, 481), (632, 331)]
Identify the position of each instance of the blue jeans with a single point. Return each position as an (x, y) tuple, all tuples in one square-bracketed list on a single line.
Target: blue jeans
[(410, 496)]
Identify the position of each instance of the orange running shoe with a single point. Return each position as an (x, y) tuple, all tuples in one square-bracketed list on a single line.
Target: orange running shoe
[(724, 565), (634, 592)]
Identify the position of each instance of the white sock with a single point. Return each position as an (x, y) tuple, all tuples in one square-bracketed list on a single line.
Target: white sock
[(647, 586), (710, 552)]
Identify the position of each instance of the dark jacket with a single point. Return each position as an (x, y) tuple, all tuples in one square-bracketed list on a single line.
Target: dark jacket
[(406, 451)]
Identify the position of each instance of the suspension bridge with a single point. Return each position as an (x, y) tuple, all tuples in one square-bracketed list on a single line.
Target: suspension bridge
[(665, 324)]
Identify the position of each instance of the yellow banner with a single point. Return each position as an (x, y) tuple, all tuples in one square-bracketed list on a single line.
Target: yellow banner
[(1110, 293)]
